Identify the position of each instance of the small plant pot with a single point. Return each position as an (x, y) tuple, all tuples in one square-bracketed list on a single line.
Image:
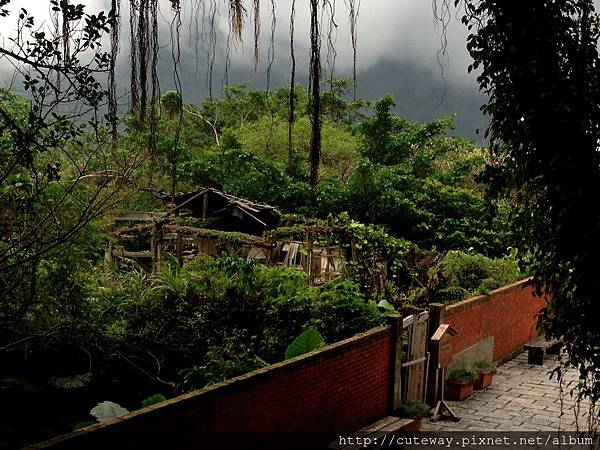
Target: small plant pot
[(484, 380), (459, 389)]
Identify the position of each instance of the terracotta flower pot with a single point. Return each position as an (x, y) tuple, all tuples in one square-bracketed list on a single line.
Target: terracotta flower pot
[(459, 389), (484, 380)]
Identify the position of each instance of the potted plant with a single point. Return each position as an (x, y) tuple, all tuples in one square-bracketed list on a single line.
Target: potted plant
[(485, 375), (414, 410), (460, 383)]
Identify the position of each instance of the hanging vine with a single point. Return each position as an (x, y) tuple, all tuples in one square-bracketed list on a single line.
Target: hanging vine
[(133, 50), (354, 7), (143, 43), (225, 80), (115, 19), (176, 56), (442, 17), (203, 29), (153, 47), (292, 97), (329, 7), (237, 13), (212, 44), (66, 29), (256, 14), (270, 61)]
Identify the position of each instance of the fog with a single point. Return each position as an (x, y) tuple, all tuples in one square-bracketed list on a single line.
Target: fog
[(399, 45)]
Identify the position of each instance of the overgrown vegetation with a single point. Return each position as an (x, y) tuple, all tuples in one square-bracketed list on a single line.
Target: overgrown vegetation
[(183, 329), (79, 331), (459, 275)]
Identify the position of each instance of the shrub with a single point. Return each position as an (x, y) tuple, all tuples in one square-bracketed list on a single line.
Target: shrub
[(216, 318), (467, 375), (462, 274), (412, 409)]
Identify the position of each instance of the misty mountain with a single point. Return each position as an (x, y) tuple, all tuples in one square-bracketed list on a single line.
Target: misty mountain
[(422, 94)]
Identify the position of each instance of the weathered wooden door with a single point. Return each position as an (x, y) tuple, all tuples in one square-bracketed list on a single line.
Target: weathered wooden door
[(415, 357)]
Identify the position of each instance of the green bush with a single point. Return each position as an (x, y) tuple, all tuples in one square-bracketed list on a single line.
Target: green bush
[(467, 375), (215, 318), (462, 274), (412, 409)]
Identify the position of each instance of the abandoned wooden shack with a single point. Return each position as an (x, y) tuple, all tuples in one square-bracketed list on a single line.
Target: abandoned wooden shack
[(229, 213), (211, 222), (146, 246)]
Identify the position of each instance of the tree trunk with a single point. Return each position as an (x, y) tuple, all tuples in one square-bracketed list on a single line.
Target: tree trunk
[(315, 74)]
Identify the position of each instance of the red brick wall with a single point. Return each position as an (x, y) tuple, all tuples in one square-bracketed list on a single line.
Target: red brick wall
[(509, 314), (342, 387)]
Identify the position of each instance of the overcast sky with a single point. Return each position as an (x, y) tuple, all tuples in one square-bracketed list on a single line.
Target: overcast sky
[(398, 47)]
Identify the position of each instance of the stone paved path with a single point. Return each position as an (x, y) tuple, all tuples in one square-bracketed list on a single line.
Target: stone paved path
[(521, 398)]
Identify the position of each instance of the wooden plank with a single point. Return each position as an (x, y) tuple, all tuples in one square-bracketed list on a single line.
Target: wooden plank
[(140, 266), (408, 321), (396, 426), (422, 325), (138, 217), (244, 205), (440, 332), (190, 200), (388, 424), (120, 252), (415, 361), (410, 356), (386, 421), (398, 331), (426, 384), (128, 254), (415, 365), (413, 381)]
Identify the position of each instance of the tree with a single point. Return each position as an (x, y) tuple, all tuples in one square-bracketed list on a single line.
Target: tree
[(315, 82), (541, 76), (172, 105), (44, 202)]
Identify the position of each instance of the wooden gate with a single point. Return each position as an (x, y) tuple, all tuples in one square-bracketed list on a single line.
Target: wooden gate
[(415, 357)]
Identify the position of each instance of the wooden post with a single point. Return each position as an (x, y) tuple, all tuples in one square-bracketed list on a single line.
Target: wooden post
[(153, 248), (156, 247), (396, 323), (108, 255), (310, 257), (178, 248), (437, 311), (205, 206), (441, 346)]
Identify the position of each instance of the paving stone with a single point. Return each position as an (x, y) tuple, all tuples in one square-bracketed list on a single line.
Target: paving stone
[(522, 398), (512, 408)]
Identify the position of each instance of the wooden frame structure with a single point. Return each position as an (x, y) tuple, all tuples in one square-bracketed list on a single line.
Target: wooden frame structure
[(146, 246)]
